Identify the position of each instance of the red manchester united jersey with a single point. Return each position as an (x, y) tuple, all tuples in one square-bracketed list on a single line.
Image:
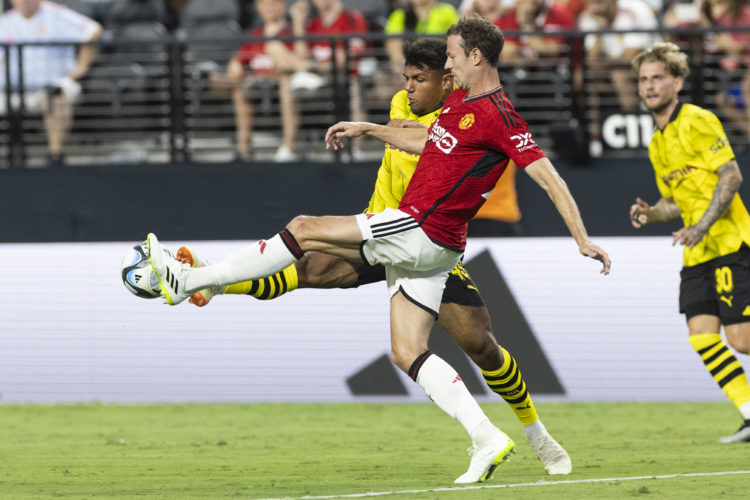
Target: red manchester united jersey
[(467, 150), (349, 22), (253, 54)]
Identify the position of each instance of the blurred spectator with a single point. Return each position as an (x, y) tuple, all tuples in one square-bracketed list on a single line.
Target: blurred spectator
[(540, 19), (733, 50), (500, 215), (609, 82), (50, 73), (424, 17), (332, 19), (258, 64), (575, 7), (488, 9)]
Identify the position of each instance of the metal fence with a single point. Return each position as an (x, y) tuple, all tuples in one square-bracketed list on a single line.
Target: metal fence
[(151, 97)]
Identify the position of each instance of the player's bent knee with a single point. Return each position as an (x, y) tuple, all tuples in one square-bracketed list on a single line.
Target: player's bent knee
[(487, 355), (403, 358), (300, 227)]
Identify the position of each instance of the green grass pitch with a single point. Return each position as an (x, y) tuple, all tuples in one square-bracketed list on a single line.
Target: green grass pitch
[(412, 450)]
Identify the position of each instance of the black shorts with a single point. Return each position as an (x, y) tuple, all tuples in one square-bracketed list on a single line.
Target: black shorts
[(719, 287), (459, 289)]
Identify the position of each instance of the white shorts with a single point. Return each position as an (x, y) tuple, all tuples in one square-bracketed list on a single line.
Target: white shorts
[(33, 99), (414, 264)]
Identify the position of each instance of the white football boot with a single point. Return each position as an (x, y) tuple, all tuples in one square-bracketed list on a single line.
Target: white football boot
[(170, 271), (741, 436), (554, 458), (201, 297), (486, 458)]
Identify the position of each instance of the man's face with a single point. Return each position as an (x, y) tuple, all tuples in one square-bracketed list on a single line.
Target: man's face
[(458, 63), (27, 8), (426, 88), (656, 87)]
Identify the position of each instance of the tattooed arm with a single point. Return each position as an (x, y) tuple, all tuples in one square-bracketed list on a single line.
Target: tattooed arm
[(729, 182), (642, 213)]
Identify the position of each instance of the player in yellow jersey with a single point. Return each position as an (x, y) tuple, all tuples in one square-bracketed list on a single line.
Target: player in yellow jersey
[(698, 178), (462, 313)]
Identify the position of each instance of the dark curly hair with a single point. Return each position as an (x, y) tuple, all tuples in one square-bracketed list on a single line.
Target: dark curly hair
[(425, 53)]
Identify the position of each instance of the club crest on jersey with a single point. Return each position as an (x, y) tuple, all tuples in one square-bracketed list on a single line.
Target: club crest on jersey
[(444, 141), (523, 141), (466, 121)]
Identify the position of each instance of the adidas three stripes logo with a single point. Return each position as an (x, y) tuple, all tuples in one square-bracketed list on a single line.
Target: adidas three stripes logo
[(382, 229), (172, 281)]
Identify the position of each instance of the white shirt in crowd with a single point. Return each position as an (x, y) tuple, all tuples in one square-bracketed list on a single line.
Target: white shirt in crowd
[(43, 65), (631, 14)]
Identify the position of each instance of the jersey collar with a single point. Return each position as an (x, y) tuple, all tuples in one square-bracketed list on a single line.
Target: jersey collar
[(674, 115), (497, 89)]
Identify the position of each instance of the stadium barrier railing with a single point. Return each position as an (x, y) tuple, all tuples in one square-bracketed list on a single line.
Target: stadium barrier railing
[(157, 101)]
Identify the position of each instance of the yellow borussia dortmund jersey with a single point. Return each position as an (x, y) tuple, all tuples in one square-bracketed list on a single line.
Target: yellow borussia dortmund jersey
[(685, 156), (397, 165)]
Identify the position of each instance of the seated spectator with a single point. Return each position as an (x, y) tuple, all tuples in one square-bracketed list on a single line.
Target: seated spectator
[(733, 51), (540, 19), (423, 17), (608, 55), (332, 19), (259, 61), (50, 73)]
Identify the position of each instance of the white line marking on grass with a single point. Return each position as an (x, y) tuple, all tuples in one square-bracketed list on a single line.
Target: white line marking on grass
[(517, 485)]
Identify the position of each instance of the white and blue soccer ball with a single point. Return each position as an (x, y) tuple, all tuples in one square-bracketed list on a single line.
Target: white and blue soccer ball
[(137, 274)]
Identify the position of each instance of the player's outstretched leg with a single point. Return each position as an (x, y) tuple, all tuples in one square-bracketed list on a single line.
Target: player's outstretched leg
[(179, 281), (201, 297), (267, 288), (729, 374)]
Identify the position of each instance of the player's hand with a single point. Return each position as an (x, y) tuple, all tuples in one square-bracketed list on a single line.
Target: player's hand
[(639, 213), (688, 236), (338, 132), (595, 252)]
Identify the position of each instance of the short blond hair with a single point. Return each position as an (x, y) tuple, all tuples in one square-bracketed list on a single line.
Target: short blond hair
[(675, 61)]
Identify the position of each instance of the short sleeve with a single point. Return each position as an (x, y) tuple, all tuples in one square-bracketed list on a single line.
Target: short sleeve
[(514, 139), (70, 25), (710, 141)]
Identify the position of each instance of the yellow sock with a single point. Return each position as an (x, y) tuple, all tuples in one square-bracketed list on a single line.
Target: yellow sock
[(723, 366), (509, 384), (269, 287)]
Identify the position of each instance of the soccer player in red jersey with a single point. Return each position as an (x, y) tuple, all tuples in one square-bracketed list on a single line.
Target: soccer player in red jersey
[(462, 155)]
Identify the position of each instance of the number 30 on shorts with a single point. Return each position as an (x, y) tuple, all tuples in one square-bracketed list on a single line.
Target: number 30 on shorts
[(724, 282)]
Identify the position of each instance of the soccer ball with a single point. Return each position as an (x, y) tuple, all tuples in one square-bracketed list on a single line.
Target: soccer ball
[(137, 275)]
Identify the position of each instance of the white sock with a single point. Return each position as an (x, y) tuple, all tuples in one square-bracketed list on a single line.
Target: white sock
[(442, 385), (535, 431), (257, 260), (745, 410)]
